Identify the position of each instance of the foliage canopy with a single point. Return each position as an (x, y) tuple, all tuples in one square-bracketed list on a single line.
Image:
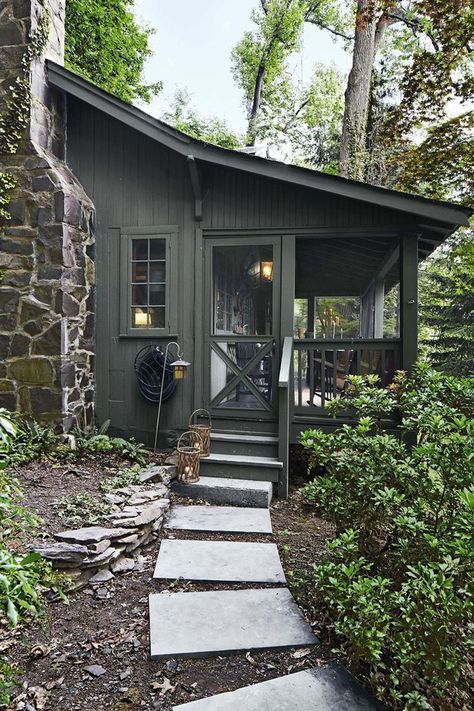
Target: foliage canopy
[(106, 44)]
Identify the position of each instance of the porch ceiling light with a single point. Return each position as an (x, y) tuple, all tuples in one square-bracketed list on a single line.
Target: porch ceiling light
[(266, 271)]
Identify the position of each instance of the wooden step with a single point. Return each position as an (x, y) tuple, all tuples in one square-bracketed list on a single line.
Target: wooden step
[(260, 445), (238, 466)]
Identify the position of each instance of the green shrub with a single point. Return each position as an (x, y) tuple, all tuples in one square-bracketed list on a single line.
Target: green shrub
[(397, 583), (100, 442), (7, 681), (22, 579)]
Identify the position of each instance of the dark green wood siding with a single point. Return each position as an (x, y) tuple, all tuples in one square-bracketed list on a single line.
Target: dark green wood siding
[(134, 182)]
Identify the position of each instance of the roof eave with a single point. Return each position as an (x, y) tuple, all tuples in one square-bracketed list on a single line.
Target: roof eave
[(448, 213)]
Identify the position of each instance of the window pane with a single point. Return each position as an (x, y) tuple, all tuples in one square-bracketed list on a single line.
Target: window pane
[(139, 295), (139, 272), (139, 249), (157, 295), (157, 271), (140, 318), (157, 249), (157, 317)]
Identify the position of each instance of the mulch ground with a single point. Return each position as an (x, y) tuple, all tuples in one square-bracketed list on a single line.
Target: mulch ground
[(108, 626)]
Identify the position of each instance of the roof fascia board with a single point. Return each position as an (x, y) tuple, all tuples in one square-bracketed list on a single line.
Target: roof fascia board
[(184, 145)]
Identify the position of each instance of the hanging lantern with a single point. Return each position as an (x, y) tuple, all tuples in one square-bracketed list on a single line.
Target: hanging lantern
[(266, 271), (180, 368)]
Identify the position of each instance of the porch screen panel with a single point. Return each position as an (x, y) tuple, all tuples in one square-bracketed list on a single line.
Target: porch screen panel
[(241, 358)]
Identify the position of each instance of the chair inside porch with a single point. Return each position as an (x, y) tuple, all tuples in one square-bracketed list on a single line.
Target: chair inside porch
[(347, 315)]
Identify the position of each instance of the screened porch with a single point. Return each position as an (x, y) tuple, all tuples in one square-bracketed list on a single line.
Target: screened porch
[(346, 316)]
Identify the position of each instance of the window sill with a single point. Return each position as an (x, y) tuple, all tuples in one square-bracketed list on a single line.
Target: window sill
[(148, 334)]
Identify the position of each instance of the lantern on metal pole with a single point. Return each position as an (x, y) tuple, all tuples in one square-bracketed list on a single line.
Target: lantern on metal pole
[(180, 368)]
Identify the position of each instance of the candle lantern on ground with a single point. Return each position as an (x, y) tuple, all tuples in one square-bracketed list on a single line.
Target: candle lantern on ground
[(189, 456), (201, 434)]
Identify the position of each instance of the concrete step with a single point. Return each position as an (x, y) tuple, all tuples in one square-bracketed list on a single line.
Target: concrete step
[(231, 492), (206, 624), (257, 445), (329, 688), (221, 519), (237, 466), (219, 561)]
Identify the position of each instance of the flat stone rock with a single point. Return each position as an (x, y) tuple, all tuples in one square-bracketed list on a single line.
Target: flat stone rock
[(95, 548), (235, 492), (226, 519), (68, 552), (90, 534), (96, 561), (204, 624), (123, 565), (102, 576), (326, 689), (164, 472), (221, 561)]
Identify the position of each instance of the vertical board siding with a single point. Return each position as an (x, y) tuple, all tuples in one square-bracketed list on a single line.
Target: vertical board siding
[(234, 199)]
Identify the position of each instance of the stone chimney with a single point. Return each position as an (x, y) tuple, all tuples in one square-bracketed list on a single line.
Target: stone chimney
[(47, 246)]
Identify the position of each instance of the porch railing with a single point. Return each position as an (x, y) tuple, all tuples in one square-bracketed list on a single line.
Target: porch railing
[(321, 368)]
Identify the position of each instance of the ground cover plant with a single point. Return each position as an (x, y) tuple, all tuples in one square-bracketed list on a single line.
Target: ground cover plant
[(397, 583), (27, 581)]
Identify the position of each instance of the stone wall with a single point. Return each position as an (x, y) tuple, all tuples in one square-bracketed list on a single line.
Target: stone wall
[(47, 248)]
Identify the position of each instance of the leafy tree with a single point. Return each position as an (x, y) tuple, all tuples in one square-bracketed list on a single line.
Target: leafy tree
[(183, 116), (447, 305), (106, 44), (305, 120), (259, 57)]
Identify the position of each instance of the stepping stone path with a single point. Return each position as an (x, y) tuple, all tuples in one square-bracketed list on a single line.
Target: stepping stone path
[(216, 622)]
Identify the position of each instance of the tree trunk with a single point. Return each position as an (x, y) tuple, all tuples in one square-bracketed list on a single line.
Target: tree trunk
[(255, 108), (357, 95)]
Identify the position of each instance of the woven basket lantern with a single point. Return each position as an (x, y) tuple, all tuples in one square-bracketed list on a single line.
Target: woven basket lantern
[(189, 457), (201, 434)]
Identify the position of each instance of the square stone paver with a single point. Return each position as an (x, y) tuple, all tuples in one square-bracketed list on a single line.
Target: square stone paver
[(224, 519), (327, 689), (221, 561), (203, 624)]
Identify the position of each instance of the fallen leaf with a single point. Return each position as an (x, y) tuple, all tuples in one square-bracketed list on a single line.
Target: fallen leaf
[(163, 687), (39, 696), (55, 683), (250, 659), (301, 653)]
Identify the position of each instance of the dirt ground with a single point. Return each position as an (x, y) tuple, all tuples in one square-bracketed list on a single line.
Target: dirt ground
[(108, 627)]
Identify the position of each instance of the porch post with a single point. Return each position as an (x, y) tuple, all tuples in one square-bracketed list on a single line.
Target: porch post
[(379, 296), (285, 395), (409, 300)]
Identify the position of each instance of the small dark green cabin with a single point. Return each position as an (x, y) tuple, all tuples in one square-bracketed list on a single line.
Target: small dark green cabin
[(277, 281)]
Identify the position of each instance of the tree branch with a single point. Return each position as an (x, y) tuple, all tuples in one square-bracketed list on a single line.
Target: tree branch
[(413, 25), (332, 30)]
